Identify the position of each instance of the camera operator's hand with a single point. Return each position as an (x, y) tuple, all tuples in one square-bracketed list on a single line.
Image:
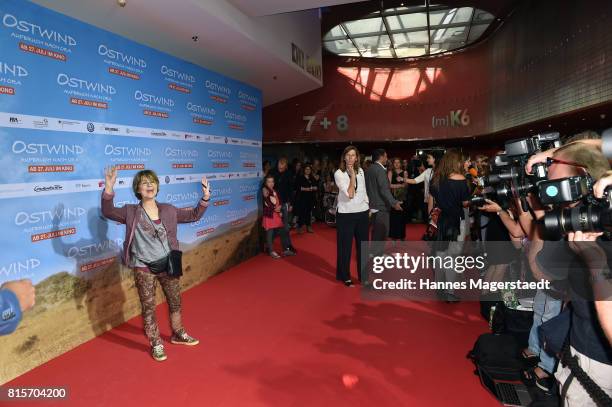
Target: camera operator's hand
[(584, 244), (601, 185), (534, 204), (491, 207), (538, 158)]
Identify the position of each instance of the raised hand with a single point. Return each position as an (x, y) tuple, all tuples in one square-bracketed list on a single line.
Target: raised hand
[(110, 177), (205, 189)]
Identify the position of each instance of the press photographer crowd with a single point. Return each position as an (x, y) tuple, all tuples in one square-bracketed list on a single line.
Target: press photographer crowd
[(540, 208)]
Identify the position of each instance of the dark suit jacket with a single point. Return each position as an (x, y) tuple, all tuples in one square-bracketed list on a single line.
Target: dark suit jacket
[(379, 189), (170, 216)]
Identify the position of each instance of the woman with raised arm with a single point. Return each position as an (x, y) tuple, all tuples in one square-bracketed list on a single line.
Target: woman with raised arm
[(149, 245)]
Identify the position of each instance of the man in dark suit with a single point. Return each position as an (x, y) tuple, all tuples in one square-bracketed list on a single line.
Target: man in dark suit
[(379, 194)]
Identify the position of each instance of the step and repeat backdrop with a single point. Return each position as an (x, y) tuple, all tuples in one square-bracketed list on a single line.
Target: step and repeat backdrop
[(74, 99)]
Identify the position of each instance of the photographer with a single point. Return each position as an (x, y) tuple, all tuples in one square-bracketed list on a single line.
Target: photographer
[(504, 233), (586, 341), (585, 374)]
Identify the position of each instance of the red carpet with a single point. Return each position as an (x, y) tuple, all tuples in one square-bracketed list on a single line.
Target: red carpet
[(282, 333)]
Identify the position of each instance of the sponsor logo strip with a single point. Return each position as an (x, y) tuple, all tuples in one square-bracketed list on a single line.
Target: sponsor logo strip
[(8, 191), (15, 120)]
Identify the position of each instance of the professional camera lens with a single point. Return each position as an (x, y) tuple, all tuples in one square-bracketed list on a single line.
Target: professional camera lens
[(494, 179), (587, 218)]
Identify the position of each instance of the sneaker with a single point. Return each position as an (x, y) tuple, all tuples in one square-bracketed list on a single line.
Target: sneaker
[(309, 229), (158, 353), (288, 252), (293, 249), (183, 339), (348, 283), (274, 255), (544, 383)]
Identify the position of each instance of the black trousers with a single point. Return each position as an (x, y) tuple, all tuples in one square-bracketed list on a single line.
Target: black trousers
[(349, 226), (304, 213), (380, 226)]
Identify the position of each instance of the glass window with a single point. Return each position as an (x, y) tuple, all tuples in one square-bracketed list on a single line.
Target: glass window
[(379, 41), (378, 53), (341, 47), (408, 27), (407, 21), (336, 32), (451, 34), (368, 25), (476, 31), (482, 16), (411, 52), (406, 39)]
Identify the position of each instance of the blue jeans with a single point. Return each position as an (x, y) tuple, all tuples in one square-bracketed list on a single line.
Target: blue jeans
[(545, 307)]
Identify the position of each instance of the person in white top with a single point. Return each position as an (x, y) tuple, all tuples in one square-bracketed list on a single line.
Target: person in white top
[(352, 213), (425, 177)]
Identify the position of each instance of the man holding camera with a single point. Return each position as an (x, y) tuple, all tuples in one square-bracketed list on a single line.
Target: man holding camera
[(585, 376)]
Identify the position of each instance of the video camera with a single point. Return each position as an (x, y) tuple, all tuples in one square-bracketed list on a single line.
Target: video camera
[(592, 215), (508, 180)]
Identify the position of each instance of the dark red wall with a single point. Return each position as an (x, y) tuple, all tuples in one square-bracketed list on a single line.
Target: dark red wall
[(393, 102)]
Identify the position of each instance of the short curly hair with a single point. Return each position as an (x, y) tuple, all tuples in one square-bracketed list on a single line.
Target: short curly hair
[(149, 175)]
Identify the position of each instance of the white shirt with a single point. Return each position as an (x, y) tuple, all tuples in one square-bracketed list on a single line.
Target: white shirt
[(425, 176), (359, 202)]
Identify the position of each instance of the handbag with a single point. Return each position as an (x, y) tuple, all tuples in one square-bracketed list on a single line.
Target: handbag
[(172, 263), (175, 263), (276, 221)]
